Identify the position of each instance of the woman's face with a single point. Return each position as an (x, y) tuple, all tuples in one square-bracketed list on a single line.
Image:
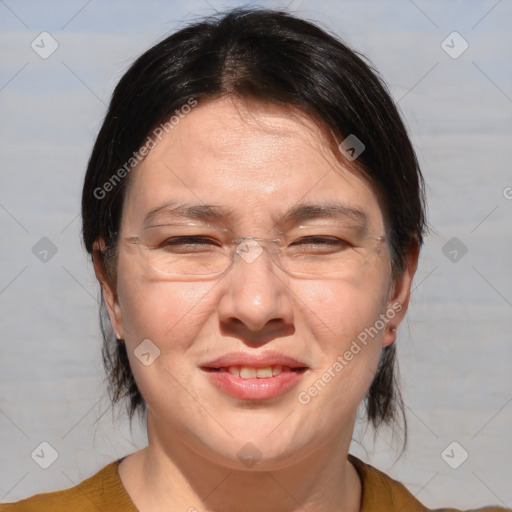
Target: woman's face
[(258, 162)]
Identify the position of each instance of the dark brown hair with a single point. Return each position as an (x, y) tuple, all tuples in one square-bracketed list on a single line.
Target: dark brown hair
[(270, 56)]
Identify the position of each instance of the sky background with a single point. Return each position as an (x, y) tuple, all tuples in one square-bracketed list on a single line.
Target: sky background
[(455, 349)]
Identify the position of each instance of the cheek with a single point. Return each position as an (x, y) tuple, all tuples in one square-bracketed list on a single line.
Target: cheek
[(337, 311), (344, 321), (169, 314)]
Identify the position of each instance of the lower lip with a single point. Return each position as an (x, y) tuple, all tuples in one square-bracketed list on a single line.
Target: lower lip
[(254, 389)]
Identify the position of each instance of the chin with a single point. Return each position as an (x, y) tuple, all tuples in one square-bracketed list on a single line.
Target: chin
[(259, 448)]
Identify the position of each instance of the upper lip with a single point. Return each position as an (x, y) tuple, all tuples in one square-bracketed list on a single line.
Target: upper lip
[(253, 361)]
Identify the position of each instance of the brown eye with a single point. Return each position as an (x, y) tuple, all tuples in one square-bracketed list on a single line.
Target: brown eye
[(322, 241), (188, 243)]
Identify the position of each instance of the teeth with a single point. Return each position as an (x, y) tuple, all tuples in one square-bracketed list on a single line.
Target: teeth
[(234, 370), (276, 370), (246, 372), (264, 373)]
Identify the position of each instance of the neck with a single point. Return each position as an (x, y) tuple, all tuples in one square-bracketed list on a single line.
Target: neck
[(175, 478)]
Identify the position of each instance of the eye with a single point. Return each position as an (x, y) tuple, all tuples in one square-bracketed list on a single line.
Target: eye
[(188, 243), (321, 242)]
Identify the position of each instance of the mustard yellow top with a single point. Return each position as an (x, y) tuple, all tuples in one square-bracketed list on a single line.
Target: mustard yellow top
[(104, 492)]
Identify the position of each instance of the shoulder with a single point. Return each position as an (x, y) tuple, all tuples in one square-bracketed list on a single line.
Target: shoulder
[(102, 491), (383, 493)]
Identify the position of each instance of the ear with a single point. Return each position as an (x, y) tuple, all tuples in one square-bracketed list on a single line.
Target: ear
[(400, 295), (108, 286)]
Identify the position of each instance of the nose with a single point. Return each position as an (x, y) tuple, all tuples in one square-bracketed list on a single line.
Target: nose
[(256, 302)]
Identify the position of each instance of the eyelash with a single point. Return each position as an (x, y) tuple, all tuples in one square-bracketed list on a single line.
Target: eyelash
[(312, 240)]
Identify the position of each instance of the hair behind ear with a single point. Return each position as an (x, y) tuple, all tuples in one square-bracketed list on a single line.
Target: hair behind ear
[(120, 381), (384, 402)]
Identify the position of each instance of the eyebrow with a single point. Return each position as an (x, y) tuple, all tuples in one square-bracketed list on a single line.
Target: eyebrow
[(332, 210), (201, 212), (220, 215)]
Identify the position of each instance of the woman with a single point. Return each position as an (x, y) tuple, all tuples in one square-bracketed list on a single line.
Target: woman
[(254, 210)]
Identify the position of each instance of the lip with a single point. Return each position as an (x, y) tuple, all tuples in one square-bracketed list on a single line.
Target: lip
[(254, 389), (254, 361)]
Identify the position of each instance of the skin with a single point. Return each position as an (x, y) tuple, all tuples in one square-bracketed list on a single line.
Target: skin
[(258, 160)]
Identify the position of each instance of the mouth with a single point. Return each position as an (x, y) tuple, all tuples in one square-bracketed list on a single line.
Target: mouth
[(252, 372), (254, 378)]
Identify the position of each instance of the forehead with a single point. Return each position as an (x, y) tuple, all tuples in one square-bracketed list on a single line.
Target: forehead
[(253, 162)]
